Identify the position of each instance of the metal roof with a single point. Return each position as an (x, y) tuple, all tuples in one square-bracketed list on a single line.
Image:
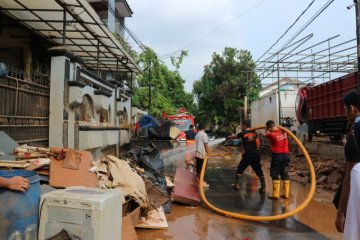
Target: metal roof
[(75, 25)]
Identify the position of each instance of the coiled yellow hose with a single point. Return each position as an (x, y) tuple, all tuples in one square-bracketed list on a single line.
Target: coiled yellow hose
[(264, 218)]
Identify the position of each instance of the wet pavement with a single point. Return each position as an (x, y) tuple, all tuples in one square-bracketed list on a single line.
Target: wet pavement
[(314, 222)]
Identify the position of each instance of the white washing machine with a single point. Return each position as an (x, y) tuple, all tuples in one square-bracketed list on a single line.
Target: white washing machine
[(87, 213)]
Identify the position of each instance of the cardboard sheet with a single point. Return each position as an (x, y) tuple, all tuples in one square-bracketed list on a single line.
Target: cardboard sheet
[(64, 177)]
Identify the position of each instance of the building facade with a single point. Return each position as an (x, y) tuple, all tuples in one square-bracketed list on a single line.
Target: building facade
[(69, 79)]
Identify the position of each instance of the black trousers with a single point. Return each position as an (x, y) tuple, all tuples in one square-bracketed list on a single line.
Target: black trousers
[(252, 159), (199, 164), (279, 166)]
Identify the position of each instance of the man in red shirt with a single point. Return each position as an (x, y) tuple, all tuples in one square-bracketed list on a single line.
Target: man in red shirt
[(279, 160)]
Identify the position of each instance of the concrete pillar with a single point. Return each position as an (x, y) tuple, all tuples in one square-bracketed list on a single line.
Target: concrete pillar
[(59, 75), (27, 56), (111, 16)]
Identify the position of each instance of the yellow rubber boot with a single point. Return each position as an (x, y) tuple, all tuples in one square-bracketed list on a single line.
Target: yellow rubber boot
[(276, 190), (286, 186)]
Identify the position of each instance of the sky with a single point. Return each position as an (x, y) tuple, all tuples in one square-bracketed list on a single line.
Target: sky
[(203, 27)]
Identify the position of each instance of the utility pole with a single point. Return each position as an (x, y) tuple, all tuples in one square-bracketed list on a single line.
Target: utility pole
[(278, 88), (246, 108), (357, 9), (246, 100), (149, 70)]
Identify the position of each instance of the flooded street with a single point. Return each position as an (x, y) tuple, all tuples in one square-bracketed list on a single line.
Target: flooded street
[(316, 221)]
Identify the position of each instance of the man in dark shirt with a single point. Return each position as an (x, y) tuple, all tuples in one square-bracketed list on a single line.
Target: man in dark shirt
[(191, 133), (251, 155)]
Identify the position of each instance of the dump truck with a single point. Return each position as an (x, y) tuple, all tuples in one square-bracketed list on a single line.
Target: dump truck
[(322, 109)]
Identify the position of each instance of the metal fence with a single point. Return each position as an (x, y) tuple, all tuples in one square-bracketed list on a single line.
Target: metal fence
[(24, 108)]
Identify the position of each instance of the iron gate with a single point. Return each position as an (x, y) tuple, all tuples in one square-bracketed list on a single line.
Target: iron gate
[(24, 108)]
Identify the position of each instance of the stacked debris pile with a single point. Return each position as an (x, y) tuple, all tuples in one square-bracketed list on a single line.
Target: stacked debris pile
[(150, 159), (140, 177), (329, 172), (29, 158), (115, 173)]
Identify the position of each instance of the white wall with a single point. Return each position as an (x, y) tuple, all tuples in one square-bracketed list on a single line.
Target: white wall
[(263, 110), (96, 136), (266, 108)]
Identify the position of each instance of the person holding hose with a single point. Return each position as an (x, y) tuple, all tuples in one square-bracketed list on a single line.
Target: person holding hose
[(251, 155), (202, 149), (279, 159)]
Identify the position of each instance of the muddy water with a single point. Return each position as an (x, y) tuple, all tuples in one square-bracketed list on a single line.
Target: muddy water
[(316, 215), (319, 216), (315, 222)]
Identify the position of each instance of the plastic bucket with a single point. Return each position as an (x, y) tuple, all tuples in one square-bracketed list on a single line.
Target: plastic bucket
[(19, 212)]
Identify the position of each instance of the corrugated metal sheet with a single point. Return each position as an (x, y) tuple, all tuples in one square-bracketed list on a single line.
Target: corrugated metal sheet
[(325, 100), (81, 28)]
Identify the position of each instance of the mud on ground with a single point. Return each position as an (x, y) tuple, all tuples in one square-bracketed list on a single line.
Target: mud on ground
[(328, 175)]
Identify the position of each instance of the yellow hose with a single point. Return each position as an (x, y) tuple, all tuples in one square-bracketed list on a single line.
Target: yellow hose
[(264, 218)]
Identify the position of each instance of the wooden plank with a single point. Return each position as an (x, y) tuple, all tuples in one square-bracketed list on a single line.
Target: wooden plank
[(186, 194), (14, 164), (15, 161), (34, 167), (155, 219), (186, 188), (43, 172), (64, 177), (31, 156), (128, 229)]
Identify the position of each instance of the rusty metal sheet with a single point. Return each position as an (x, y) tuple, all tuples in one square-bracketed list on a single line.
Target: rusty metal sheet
[(186, 188), (64, 177)]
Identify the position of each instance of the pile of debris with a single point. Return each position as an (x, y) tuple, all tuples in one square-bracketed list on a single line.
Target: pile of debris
[(139, 175), (328, 172)]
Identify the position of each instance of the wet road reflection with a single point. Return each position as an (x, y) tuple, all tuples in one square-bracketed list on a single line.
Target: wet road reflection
[(249, 201), (187, 223), (246, 201), (315, 222)]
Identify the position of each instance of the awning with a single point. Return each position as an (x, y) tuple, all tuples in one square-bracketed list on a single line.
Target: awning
[(75, 24)]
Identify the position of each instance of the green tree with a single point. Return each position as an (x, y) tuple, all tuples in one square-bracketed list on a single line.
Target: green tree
[(168, 93), (126, 46), (220, 91)]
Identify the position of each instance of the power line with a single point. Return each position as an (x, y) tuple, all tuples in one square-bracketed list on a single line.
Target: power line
[(308, 23), (287, 30), (213, 30), (134, 37), (317, 14)]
